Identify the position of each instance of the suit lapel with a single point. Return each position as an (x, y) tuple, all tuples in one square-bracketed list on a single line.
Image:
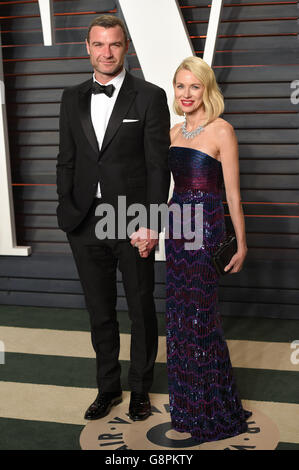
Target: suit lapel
[(124, 100), (85, 117)]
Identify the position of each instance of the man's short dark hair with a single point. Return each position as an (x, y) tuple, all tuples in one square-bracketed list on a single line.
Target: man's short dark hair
[(108, 21)]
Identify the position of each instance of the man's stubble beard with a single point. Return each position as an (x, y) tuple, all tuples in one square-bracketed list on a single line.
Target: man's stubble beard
[(114, 72)]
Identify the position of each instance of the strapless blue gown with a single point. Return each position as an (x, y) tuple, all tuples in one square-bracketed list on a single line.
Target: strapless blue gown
[(204, 400)]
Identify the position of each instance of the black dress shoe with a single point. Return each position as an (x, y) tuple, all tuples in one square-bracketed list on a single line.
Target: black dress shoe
[(102, 405), (140, 406)]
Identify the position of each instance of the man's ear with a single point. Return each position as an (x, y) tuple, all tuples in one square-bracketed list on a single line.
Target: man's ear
[(87, 46)]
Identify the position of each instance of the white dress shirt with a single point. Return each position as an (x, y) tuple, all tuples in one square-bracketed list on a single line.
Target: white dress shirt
[(101, 109)]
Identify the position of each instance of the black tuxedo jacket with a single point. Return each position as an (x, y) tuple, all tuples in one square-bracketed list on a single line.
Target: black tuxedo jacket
[(133, 160)]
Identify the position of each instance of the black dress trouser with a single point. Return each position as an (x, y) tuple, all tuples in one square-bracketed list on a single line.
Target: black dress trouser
[(97, 262)]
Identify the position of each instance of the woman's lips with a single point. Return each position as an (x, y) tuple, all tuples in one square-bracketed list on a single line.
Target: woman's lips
[(187, 103)]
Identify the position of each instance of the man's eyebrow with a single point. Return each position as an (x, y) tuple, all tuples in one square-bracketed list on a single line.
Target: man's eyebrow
[(110, 44)]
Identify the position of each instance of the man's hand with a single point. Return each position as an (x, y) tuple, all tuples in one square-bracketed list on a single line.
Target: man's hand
[(145, 240)]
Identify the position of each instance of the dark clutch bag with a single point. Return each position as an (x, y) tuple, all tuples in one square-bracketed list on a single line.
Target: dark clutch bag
[(224, 254)]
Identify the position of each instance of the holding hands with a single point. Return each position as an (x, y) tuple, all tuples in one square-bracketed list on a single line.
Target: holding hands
[(145, 240)]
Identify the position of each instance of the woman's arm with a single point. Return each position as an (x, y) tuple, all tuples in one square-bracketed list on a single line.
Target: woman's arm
[(229, 157)]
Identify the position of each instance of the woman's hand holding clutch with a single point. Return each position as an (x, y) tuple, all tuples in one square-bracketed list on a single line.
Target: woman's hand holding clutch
[(236, 262)]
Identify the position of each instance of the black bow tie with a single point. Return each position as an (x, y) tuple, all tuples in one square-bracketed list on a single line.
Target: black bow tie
[(107, 89)]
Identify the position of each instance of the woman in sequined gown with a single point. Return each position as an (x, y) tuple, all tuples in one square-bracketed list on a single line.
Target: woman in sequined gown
[(204, 400)]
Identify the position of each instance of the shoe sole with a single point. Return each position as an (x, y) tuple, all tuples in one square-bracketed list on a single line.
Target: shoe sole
[(114, 403), (133, 418)]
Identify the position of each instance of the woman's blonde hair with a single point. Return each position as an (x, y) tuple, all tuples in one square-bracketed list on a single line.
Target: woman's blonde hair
[(212, 97)]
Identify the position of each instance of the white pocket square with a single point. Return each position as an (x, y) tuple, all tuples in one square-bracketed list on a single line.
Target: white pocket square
[(130, 120)]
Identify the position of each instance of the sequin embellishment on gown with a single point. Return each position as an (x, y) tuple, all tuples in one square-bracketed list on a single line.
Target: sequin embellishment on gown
[(203, 397)]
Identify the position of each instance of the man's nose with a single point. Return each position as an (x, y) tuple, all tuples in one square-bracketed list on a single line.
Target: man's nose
[(106, 51)]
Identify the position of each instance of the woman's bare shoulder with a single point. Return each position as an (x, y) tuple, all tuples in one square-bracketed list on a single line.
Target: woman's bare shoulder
[(222, 126)]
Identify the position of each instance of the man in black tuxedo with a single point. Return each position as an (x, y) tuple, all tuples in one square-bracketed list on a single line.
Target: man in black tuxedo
[(114, 140)]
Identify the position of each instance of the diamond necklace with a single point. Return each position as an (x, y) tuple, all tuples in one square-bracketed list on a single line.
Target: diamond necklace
[(191, 134)]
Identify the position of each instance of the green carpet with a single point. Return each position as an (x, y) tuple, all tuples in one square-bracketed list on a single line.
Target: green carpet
[(261, 385)]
